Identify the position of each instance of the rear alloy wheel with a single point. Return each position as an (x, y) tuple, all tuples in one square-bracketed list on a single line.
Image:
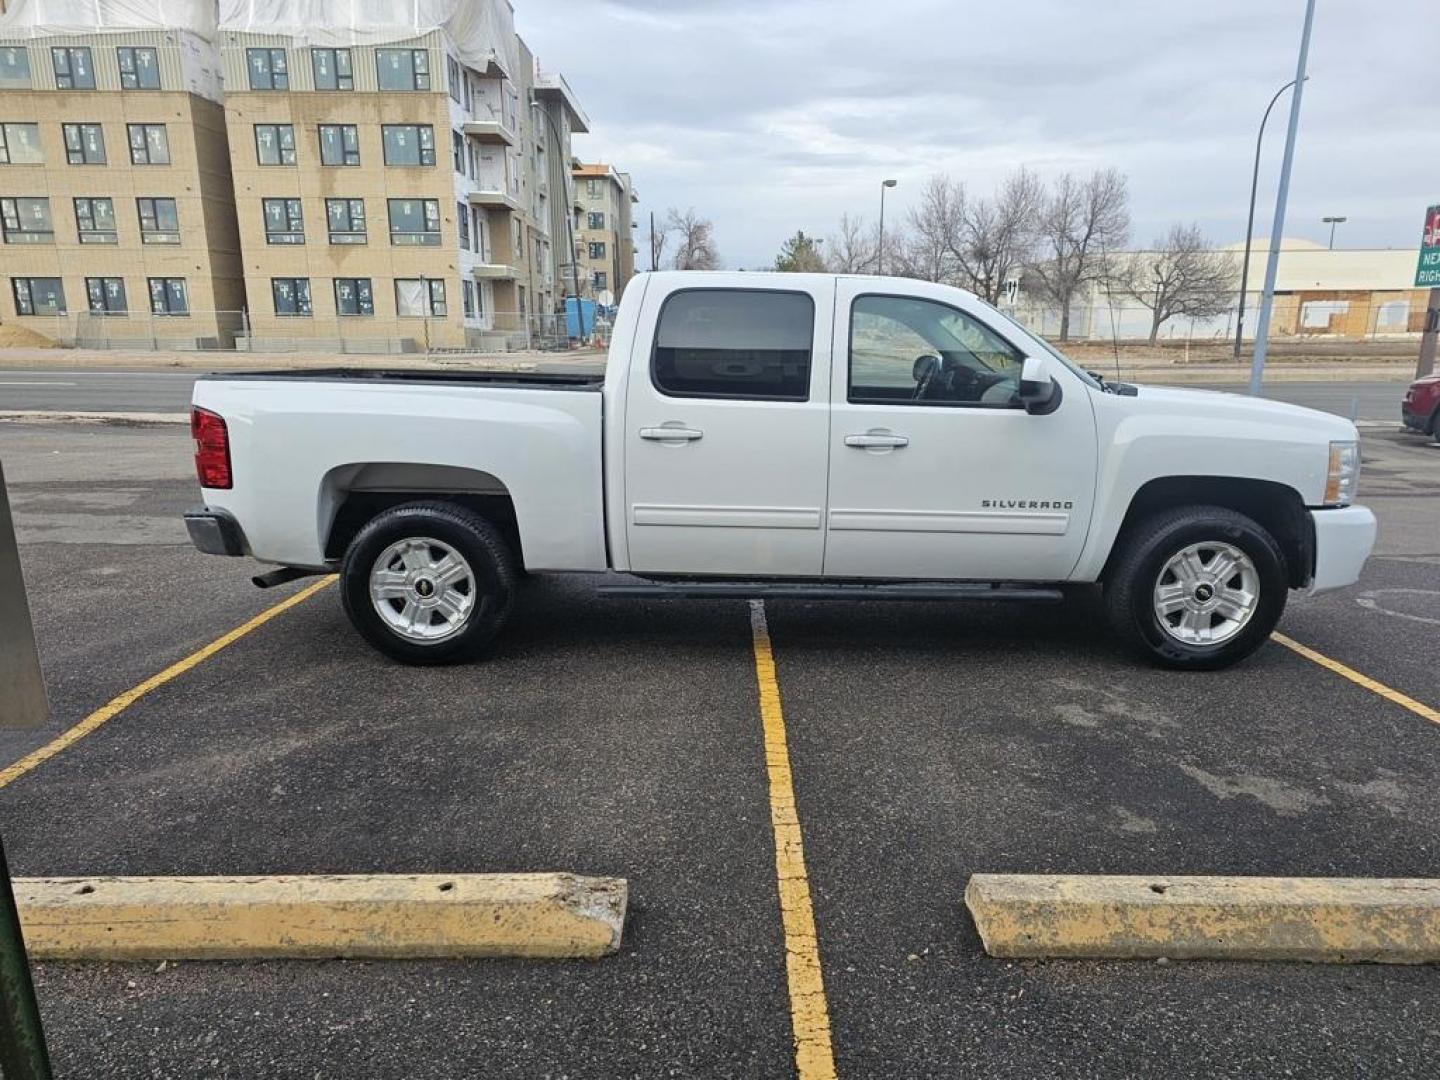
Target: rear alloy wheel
[(1197, 587), (428, 583)]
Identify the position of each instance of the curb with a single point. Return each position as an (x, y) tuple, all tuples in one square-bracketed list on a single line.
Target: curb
[(44, 416), (384, 917), (1318, 920)]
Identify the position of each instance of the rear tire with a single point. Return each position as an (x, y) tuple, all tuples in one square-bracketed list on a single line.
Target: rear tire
[(1196, 588), (428, 583)]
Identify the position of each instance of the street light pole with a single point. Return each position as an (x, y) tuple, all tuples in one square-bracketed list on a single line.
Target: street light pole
[(880, 246), (1332, 222), (1277, 230), (1250, 221)]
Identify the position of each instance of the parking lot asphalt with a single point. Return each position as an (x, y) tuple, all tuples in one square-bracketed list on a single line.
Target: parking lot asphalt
[(928, 742)]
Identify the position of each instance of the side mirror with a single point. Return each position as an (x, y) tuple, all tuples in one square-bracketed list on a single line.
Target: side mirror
[(926, 367), (1039, 392)]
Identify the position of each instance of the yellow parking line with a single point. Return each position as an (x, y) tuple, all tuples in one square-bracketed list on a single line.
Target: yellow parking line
[(809, 1013), (116, 705), (1423, 711)]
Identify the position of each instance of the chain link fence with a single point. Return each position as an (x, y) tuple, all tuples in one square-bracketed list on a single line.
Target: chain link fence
[(237, 331)]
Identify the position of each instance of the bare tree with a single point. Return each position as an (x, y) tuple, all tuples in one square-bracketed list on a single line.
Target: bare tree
[(998, 234), (695, 241), (852, 249), (926, 249), (1183, 276), (1082, 222)]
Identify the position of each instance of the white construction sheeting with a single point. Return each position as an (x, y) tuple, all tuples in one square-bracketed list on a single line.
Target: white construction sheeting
[(482, 32), (23, 19)]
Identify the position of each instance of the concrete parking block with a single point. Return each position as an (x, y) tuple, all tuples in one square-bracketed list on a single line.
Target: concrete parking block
[(1317, 920), (382, 916)]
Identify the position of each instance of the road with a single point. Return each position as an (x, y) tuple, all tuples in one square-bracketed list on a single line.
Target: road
[(928, 742), (150, 391)]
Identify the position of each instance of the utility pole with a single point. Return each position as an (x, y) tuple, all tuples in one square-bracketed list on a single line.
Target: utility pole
[(1250, 222), (654, 251), (880, 244), (1332, 222), (1277, 230)]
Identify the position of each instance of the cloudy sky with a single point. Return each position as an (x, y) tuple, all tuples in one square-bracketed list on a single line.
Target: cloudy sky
[(772, 115)]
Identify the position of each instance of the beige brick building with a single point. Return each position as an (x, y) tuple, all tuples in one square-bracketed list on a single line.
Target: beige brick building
[(116, 212), (605, 245), (392, 196)]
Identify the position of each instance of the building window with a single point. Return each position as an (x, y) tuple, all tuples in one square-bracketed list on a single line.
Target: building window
[(149, 144), (95, 221), (408, 144), (332, 69), (167, 296), (419, 297), (346, 218), (139, 68), (457, 151), (20, 144), (275, 144), (84, 144), (599, 281), (73, 69), (291, 295), (477, 230), (268, 69), (452, 68), (402, 69), (592, 188), (415, 222), (106, 295), (284, 221), (339, 144), (353, 296), (697, 353), (26, 221), (38, 295), (596, 219), (14, 67), (462, 220), (597, 249), (467, 293), (159, 221)]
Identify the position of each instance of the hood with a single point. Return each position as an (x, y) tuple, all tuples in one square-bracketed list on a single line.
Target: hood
[(1230, 406)]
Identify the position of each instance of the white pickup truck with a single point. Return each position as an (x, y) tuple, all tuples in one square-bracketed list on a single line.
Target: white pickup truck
[(784, 435)]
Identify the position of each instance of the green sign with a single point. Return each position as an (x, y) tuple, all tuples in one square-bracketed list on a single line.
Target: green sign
[(1427, 274)]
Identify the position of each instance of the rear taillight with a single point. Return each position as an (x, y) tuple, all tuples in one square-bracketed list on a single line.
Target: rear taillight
[(212, 449)]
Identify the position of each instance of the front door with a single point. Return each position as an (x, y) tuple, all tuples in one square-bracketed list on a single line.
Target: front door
[(726, 430), (936, 471)]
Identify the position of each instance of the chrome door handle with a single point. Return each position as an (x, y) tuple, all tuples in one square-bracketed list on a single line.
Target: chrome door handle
[(870, 441), (671, 434)]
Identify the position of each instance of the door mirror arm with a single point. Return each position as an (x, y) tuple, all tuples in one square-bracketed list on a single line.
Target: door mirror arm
[(1039, 391)]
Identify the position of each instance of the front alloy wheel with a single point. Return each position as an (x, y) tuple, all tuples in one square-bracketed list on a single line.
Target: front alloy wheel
[(1206, 593)]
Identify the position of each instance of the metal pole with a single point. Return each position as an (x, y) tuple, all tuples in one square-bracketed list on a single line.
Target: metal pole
[(1429, 337), (23, 1054), (1250, 221), (880, 245), (1272, 266)]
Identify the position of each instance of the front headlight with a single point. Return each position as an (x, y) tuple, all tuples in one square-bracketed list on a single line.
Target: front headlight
[(1344, 473)]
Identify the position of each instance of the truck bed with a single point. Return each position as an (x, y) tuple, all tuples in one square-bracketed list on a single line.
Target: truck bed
[(529, 380)]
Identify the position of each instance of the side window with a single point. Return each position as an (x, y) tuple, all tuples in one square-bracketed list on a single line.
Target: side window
[(735, 343), (904, 350)]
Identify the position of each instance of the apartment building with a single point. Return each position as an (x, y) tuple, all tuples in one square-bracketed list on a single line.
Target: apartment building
[(393, 194), (116, 212), (605, 244)]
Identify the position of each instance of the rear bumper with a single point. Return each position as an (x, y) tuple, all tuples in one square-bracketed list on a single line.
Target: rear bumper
[(1344, 538), (215, 532)]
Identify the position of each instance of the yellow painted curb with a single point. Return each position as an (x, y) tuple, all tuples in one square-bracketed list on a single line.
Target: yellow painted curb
[(1319, 920), (391, 917)]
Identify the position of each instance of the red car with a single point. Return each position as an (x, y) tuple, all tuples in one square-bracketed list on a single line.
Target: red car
[(1421, 408)]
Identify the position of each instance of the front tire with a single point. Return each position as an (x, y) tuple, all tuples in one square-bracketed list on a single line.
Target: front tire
[(1196, 588), (428, 583)]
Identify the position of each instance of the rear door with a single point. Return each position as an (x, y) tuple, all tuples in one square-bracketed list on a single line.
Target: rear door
[(726, 428)]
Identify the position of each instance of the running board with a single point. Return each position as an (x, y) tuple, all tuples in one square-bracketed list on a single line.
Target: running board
[(762, 590)]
